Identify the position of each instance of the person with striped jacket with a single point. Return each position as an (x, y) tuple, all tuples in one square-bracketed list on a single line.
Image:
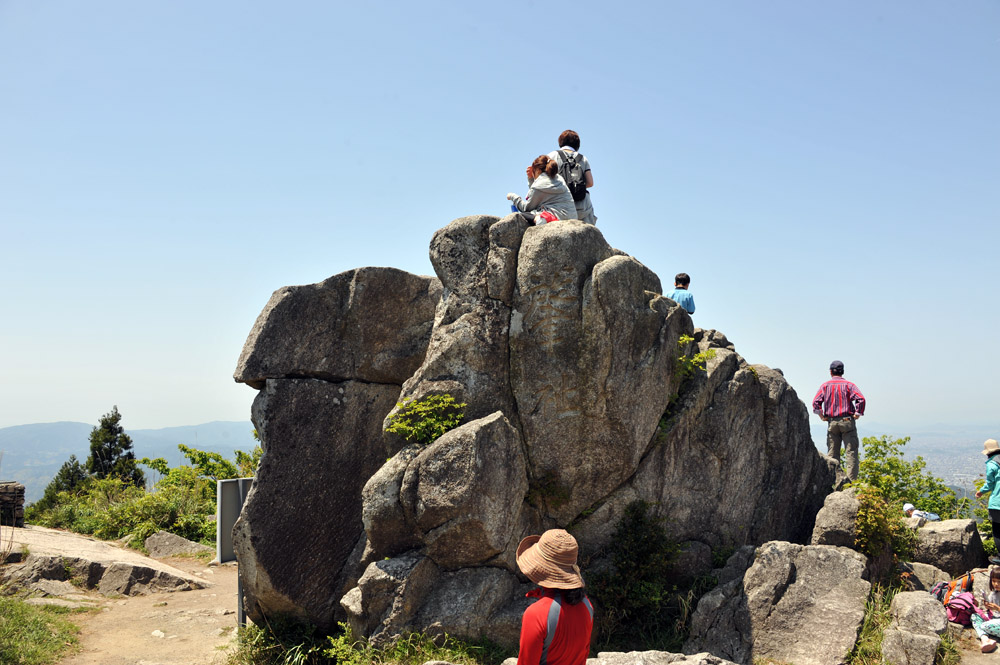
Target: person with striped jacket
[(840, 404)]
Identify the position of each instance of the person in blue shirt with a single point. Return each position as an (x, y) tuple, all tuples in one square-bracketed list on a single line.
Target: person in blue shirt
[(992, 451), (681, 295)]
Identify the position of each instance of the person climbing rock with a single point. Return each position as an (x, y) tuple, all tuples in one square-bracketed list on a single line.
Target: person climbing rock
[(839, 403)]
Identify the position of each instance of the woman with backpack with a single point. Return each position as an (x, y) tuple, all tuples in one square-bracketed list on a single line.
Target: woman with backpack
[(548, 198), (555, 630), (992, 451)]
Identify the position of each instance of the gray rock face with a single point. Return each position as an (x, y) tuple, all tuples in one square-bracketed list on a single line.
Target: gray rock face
[(801, 604), (835, 523), (321, 442), (954, 546), (125, 578), (568, 360), (370, 324), (918, 621), (460, 497), (163, 543), (395, 594), (923, 576), (736, 473)]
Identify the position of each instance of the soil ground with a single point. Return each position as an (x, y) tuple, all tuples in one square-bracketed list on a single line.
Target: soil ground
[(178, 628)]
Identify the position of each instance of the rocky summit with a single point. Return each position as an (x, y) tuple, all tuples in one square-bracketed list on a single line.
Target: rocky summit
[(580, 400)]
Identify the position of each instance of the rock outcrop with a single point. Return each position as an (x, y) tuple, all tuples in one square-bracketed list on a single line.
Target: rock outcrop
[(643, 658), (913, 636), (835, 523), (795, 604), (954, 546), (569, 361)]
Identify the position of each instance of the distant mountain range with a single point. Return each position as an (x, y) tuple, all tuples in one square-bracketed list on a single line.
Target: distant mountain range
[(32, 454)]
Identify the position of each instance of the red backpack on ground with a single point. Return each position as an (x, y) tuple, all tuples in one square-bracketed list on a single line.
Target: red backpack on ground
[(960, 608), (943, 591)]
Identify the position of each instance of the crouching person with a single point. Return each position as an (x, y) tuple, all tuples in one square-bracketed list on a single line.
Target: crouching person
[(556, 629)]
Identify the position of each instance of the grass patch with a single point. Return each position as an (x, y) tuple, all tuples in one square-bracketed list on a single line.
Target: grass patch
[(33, 635), (868, 649), (298, 645)]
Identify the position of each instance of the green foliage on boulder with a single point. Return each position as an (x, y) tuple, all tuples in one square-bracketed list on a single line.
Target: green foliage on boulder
[(425, 420)]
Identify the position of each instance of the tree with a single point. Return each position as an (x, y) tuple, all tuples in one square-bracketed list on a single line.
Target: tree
[(71, 476), (111, 451), (899, 481)]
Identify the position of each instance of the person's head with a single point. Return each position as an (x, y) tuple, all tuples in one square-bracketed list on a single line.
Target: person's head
[(991, 447), (836, 368), (543, 164), (569, 138), (995, 578), (682, 280), (908, 508), (549, 560)]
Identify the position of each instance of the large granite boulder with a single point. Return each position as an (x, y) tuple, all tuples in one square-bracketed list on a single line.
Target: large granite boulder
[(836, 522), (711, 467), (954, 546), (302, 516), (795, 603), (578, 402), (393, 595), (914, 634), (459, 497), (370, 324)]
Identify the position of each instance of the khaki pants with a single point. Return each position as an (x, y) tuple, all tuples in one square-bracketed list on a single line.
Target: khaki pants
[(846, 430)]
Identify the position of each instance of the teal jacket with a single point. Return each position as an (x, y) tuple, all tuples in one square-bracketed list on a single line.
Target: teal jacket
[(992, 480)]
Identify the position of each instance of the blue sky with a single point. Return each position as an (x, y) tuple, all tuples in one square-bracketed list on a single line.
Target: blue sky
[(826, 172)]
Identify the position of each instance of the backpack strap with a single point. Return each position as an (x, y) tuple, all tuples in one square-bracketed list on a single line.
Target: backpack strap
[(555, 609), (550, 625)]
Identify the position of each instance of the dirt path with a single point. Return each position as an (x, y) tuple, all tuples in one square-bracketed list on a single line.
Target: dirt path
[(179, 628)]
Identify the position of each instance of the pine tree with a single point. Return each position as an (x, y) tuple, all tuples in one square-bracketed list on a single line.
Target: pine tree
[(71, 475), (111, 451)]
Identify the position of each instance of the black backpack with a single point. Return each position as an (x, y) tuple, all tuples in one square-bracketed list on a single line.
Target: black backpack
[(571, 169)]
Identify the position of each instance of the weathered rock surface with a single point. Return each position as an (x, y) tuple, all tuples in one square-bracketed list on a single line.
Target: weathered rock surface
[(923, 576), (797, 604), (729, 453), (163, 543), (395, 594), (321, 441), (568, 359), (835, 523), (460, 497), (370, 324), (95, 565), (954, 546), (913, 636)]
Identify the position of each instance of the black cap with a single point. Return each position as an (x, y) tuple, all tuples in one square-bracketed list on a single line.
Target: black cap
[(837, 365)]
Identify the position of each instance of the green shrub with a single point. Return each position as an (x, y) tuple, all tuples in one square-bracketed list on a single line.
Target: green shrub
[(110, 508), (882, 535), (688, 365), (900, 481), (423, 421), (32, 635), (640, 606)]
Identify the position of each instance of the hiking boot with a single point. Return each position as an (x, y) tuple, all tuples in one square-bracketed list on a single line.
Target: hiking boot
[(995, 560)]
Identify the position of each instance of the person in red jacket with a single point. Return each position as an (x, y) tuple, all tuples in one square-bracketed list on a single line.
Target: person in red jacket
[(556, 629)]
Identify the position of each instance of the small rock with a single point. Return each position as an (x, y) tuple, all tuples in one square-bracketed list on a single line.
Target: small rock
[(158, 633)]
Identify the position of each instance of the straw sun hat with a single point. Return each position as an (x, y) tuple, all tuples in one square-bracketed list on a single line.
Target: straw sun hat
[(990, 446), (549, 560)]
